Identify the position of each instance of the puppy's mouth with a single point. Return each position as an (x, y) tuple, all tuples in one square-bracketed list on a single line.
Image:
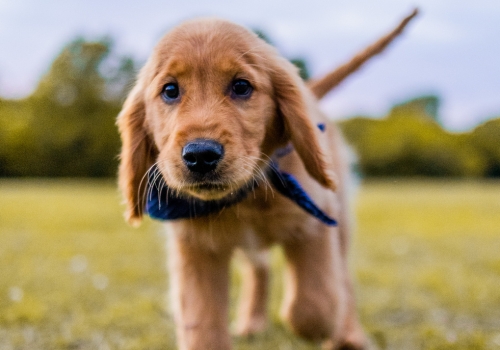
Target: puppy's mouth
[(215, 190), (208, 187), (208, 190)]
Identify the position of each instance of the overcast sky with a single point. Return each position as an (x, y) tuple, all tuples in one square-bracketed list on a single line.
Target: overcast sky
[(452, 49)]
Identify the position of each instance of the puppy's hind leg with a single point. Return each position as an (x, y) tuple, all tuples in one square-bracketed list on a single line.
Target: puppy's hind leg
[(353, 337), (252, 310)]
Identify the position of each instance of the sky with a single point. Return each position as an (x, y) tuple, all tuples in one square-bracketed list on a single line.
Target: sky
[(452, 49)]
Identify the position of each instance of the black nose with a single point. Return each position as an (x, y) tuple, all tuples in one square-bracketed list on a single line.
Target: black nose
[(202, 155)]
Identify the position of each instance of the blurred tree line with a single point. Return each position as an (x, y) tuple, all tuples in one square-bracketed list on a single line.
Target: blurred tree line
[(409, 141), (66, 126)]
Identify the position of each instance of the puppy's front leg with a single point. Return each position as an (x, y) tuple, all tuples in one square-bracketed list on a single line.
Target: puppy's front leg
[(199, 284)]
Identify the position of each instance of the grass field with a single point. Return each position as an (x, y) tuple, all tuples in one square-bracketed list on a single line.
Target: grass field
[(73, 276)]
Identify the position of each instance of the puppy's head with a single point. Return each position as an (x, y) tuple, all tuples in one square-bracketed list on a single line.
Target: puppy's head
[(209, 108)]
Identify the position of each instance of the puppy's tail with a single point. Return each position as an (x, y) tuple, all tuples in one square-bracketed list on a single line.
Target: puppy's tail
[(321, 86)]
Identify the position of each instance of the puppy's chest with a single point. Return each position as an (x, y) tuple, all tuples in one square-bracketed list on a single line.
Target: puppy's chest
[(262, 219), (269, 216)]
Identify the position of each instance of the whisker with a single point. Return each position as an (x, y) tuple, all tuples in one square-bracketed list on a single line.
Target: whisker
[(257, 172), (144, 189)]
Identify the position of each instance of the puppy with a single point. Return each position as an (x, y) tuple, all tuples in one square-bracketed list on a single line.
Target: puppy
[(225, 142)]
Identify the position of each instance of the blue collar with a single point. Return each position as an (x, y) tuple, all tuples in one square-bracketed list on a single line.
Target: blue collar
[(163, 204)]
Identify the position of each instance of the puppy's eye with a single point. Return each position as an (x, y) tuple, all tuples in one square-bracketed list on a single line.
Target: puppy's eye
[(170, 92), (241, 88)]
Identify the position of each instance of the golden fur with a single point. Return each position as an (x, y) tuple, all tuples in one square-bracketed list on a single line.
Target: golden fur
[(203, 57)]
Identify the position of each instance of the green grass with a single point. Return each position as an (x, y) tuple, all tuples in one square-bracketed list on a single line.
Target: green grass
[(73, 275)]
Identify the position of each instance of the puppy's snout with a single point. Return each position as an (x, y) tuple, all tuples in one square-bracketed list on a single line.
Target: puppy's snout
[(202, 155)]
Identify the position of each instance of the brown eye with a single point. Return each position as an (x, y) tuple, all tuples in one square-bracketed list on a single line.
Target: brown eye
[(241, 88), (170, 92)]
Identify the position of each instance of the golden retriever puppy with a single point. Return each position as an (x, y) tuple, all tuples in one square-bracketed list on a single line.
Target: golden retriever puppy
[(224, 142)]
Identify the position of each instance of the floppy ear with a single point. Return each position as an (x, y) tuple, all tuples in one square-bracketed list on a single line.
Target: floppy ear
[(137, 154), (290, 93)]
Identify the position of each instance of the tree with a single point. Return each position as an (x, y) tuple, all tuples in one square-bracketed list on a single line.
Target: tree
[(300, 63), (486, 138), (427, 105), (68, 122), (410, 143)]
